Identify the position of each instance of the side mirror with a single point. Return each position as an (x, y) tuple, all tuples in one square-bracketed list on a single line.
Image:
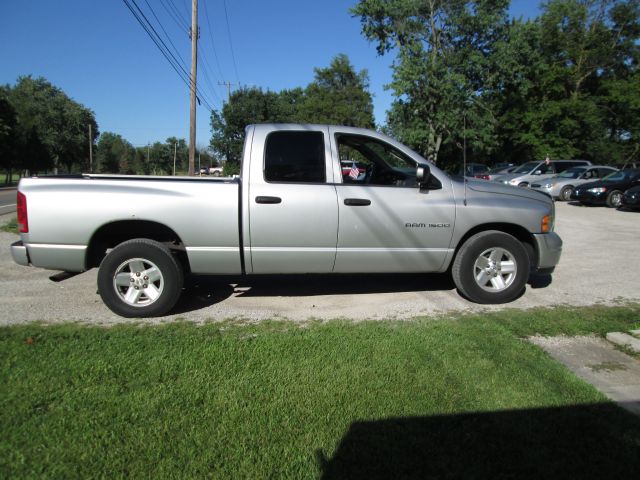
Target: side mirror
[(425, 180), (538, 172), (423, 173)]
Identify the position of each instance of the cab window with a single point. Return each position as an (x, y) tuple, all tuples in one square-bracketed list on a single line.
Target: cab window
[(295, 157), (369, 161)]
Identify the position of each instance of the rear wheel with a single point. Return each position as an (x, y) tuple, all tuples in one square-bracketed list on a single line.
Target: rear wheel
[(491, 267), (140, 278), (565, 194), (614, 199)]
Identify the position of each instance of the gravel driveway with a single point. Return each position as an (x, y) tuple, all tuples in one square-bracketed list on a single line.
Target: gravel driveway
[(600, 264)]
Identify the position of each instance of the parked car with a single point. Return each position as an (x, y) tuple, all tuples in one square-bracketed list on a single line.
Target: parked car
[(561, 186), (536, 171), (607, 191), (290, 212), (498, 171), (501, 165), (474, 170), (215, 171), (631, 198)]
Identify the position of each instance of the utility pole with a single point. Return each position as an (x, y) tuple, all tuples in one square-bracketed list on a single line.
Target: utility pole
[(90, 150), (228, 85), (175, 148), (194, 70), (148, 159)]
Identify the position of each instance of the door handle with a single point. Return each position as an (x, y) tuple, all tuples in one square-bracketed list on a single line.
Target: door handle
[(357, 202), (268, 199)]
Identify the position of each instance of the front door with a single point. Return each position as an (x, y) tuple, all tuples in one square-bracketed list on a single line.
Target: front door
[(387, 224)]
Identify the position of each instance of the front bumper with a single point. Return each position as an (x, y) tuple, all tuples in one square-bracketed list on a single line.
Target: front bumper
[(551, 191), (589, 197), (19, 254), (549, 247)]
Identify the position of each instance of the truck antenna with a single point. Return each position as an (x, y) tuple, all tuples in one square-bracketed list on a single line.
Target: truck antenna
[(464, 154)]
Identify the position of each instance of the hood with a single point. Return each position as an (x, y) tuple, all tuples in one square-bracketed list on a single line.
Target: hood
[(501, 189), (603, 183), (507, 176)]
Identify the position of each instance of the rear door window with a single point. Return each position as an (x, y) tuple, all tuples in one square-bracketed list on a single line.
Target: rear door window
[(295, 157)]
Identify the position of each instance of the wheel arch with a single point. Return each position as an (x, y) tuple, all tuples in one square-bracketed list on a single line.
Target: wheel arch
[(517, 231), (114, 233)]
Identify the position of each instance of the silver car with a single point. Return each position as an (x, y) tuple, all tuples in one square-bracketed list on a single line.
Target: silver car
[(561, 186), (537, 171)]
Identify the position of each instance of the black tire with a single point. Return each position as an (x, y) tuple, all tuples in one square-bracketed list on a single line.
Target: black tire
[(506, 261), (523, 184), (149, 295), (565, 193), (614, 199), (216, 173)]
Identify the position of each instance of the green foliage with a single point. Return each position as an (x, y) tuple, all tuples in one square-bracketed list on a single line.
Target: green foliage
[(52, 129), (444, 69), (565, 84), (280, 400), (338, 95), (113, 154)]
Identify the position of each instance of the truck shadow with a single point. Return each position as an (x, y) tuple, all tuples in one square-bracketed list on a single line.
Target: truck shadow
[(579, 441), (202, 291)]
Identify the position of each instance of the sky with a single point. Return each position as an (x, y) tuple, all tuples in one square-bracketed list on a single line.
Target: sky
[(100, 56)]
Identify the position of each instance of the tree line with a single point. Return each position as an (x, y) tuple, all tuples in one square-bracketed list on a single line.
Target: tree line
[(565, 84), (337, 95)]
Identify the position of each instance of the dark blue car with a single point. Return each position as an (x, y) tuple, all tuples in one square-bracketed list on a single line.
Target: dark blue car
[(609, 190)]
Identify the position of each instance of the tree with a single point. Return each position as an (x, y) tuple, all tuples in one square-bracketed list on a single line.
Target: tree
[(572, 94), (246, 106), (444, 69), (338, 95), (8, 123), (61, 124), (114, 154)]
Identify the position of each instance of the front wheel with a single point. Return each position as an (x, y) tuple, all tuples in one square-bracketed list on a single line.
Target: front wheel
[(140, 278), (565, 194), (614, 199), (491, 267)]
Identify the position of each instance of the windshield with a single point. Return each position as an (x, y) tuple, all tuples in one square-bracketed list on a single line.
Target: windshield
[(572, 172), (526, 168)]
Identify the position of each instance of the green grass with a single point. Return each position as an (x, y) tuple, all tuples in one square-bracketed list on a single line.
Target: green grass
[(11, 226), (453, 397)]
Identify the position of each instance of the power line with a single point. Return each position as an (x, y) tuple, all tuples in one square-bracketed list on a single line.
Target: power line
[(162, 46), (233, 57), (175, 15), (183, 64), (213, 46)]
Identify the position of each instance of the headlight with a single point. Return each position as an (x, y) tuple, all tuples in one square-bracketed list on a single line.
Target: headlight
[(597, 190), (548, 185), (513, 182)]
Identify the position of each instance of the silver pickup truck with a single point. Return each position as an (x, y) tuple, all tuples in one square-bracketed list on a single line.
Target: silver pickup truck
[(310, 199)]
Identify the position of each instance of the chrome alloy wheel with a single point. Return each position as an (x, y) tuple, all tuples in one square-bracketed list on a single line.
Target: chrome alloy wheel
[(616, 199), (495, 269), (138, 282)]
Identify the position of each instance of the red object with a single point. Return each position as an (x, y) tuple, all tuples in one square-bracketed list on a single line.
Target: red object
[(483, 177), (21, 209)]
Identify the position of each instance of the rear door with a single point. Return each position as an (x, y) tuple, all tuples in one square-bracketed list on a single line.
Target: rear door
[(292, 204)]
